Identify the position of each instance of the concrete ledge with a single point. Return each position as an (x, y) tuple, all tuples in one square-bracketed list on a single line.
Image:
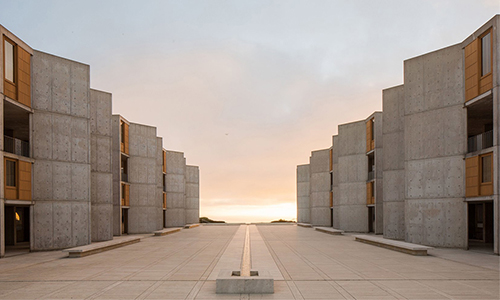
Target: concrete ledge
[(304, 225), (262, 283), (167, 231), (329, 230), (404, 247), (188, 226), (95, 248)]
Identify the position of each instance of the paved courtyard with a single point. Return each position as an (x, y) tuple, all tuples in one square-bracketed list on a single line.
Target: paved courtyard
[(305, 264)]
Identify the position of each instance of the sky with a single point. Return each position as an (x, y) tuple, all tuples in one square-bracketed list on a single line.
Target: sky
[(248, 88)]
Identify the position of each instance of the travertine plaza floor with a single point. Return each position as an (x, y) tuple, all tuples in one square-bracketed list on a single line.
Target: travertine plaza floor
[(306, 264)]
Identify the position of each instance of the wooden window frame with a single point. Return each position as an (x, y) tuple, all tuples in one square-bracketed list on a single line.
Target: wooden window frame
[(14, 58), (8, 190), (485, 188), (480, 53)]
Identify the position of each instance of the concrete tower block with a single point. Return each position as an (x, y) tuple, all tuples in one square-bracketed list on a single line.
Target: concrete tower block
[(176, 189), (61, 149), (101, 166), (319, 164), (192, 209), (303, 204)]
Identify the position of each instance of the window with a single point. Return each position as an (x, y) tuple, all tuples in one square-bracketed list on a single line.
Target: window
[(486, 54), (9, 60), (10, 173), (486, 173)]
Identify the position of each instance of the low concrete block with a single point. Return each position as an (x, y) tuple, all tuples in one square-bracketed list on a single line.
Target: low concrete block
[(167, 231), (188, 226), (95, 248), (304, 225), (229, 283), (400, 246), (329, 230)]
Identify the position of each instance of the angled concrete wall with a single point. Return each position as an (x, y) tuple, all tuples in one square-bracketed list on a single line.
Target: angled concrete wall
[(352, 176), (303, 205), (379, 184), (394, 163), (145, 212), (192, 209), (159, 177), (335, 186), (61, 149), (319, 164), (176, 189), (435, 139), (116, 172), (101, 166)]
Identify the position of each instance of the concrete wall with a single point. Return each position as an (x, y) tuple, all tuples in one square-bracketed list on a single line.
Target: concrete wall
[(61, 149), (393, 163), (379, 184), (101, 166), (352, 175), (145, 212), (303, 189), (435, 139), (116, 156), (176, 189), (192, 210), (319, 200), (335, 191)]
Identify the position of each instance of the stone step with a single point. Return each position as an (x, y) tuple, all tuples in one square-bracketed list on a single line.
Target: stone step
[(304, 225), (188, 226), (329, 230)]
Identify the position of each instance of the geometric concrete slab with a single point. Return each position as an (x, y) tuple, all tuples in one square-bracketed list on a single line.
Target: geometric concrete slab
[(166, 231), (329, 230), (400, 246), (99, 247)]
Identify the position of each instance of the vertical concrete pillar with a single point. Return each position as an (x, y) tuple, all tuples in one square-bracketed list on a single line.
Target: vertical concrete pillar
[(116, 173), (303, 190), (101, 166), (393, 163), (192, 209), (319, 164), (335, 187), (176, 197)]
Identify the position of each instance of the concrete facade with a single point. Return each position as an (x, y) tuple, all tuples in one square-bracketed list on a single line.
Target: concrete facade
[(192, 209), (66, 168), (175, 189), (352, 177), (303, 204), (61, 150), (101, 166), (319, 201)]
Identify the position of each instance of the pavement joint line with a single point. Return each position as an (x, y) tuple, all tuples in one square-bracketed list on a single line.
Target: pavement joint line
[(278, 262), (214, 262), (117, 283), (151, 289), (295, 290), (195, 290), (345, 293), (388, 290), (440, 292)]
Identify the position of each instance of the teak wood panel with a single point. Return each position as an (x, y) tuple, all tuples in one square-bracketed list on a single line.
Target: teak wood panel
[(24, 77), (369, 137), (369, 191), (24, 180), (472, 176), (126, 139), (126, 195), (164, 200), (331, 159), (9, 87), (472, 69), (486, 81)]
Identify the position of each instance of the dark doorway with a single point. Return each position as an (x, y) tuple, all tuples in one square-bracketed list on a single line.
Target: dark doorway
[(124, 221), (371, 218), (480, 225), (164, 219), (17, 229)]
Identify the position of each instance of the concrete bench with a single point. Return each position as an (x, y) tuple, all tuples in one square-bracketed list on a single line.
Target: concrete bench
[(304, 225), (400, 246), (98, 247), (188, 226), (329, 230), (167, 231)]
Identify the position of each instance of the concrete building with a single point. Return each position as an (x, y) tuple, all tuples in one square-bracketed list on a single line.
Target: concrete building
[(436, 180), (71, 172)]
